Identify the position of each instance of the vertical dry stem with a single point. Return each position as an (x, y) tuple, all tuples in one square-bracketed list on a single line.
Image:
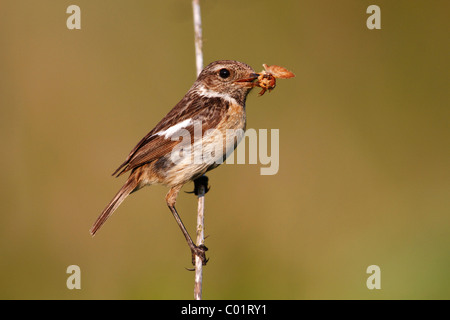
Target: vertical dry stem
[(201, 192), (200, 241), (198, 35)]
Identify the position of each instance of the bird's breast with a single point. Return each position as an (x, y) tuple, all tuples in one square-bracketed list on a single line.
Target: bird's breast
[(205, 153), (232, 127)]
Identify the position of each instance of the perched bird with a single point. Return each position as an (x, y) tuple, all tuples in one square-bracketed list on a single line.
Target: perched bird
[(215, 102)]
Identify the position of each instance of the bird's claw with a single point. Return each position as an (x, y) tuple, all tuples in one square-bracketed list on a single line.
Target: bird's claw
[(200, 182), (200, 251)]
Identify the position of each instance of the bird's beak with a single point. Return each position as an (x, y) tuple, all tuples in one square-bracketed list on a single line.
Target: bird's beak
[(248, 81)]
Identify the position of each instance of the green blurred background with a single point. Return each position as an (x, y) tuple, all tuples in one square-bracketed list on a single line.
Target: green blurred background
[(364, 161)]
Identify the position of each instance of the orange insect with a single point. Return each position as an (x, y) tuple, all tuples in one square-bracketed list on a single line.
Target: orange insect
[(266, 79)]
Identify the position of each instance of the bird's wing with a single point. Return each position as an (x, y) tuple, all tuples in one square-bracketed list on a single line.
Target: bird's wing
[(165, 136)]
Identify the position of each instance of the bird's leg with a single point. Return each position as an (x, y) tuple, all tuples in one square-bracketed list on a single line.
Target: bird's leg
[(199, 251)]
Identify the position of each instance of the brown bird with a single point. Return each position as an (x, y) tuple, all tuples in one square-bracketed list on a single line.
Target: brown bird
[(193, 138)]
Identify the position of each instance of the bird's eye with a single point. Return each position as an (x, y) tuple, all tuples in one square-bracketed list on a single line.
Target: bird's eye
[(224, 73)]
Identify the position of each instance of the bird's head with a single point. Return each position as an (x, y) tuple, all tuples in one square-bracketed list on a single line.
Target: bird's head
[(227, 78)]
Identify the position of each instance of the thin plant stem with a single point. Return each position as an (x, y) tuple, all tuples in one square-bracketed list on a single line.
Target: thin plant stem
[(201, 190), (198, 35)]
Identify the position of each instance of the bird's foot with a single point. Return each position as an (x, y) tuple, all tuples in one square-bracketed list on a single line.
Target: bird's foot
[(201, 182), (199, 251)]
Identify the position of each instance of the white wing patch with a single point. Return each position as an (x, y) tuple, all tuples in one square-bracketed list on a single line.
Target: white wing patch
[(173, 129)]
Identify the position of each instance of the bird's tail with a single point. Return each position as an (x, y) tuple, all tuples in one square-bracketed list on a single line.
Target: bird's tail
[(127, 188)]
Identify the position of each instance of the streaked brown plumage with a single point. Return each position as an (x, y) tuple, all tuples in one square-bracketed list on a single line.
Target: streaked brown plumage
[(216, 101)]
